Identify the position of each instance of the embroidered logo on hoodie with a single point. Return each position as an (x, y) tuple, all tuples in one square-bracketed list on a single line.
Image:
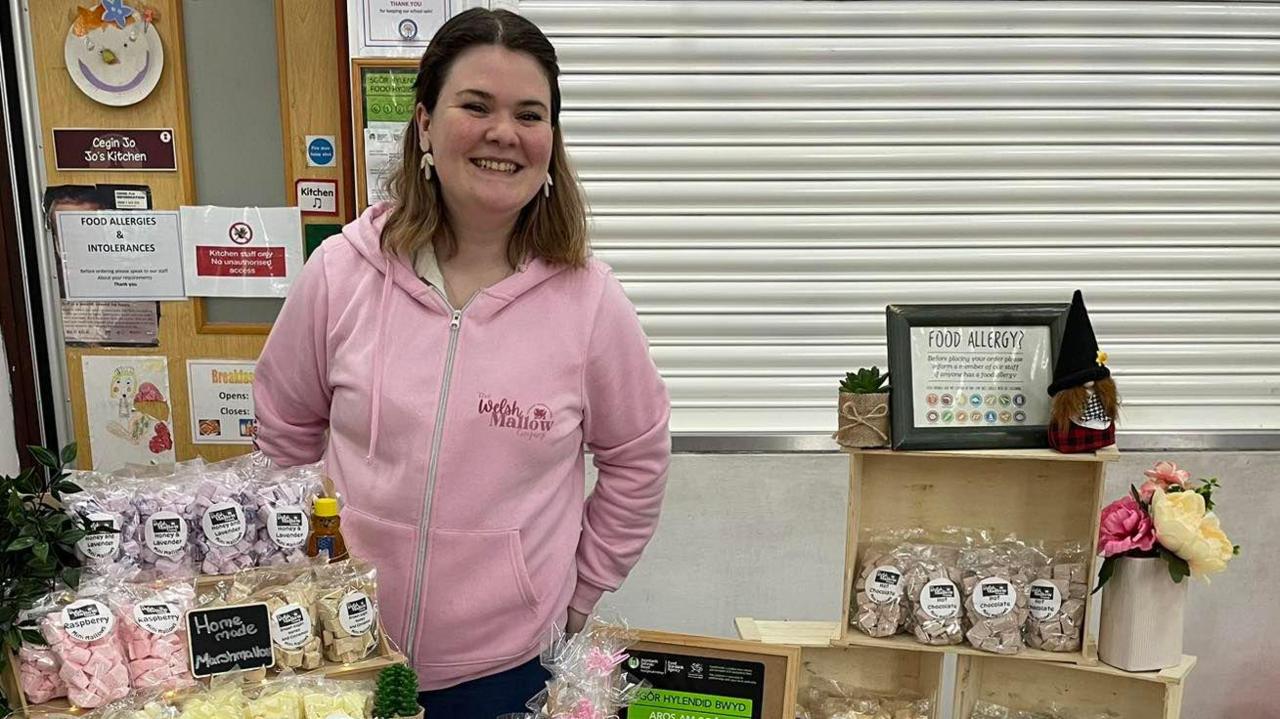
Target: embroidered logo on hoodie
[(528, 423)]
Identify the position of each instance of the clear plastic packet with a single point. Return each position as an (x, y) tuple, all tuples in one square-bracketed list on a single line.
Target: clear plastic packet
[(107, 508), (284, 509), (586, 671), (225, 522), (324, 699), (290, 596), (988, 710), (38, 664), (278, 699), (347, 607), (142, 704), (225, 700), (152, 625), (879, 597), (825, 698), (996, 578), (1056, 600), (934, 598), (164, 532), (83, 632)]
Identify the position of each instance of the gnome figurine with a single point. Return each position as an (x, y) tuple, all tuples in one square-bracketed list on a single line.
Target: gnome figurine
[(1085, 402)]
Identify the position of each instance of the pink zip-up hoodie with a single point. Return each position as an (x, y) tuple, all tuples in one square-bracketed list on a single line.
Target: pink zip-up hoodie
[(456, 440)]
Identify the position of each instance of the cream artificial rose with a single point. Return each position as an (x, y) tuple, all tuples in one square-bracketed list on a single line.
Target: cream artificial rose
[(1183, 527)]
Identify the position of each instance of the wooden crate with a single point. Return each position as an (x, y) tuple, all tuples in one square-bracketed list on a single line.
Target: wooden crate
[(875, 669), (1034, 494), (1029, 685)]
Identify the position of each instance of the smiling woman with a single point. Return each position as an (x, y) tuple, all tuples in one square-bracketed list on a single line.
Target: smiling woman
[(450, 354)]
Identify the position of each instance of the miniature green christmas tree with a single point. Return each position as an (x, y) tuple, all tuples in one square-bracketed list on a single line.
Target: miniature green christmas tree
[(397, 693)]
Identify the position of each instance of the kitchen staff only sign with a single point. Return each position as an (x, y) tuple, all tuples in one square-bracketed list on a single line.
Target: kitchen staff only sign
[(113, 255), (241, 251)]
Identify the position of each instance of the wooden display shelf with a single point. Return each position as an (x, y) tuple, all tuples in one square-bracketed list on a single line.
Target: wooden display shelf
[(1132, 695), (908, 643), (881, 670), (886, 667), (1033, 494)]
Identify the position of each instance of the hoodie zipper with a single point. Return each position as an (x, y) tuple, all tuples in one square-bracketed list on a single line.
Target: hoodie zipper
[(432, 467)]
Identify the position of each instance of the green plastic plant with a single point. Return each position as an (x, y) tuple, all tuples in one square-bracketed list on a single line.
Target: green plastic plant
[(37, 543), (397, 693), (865, 381)]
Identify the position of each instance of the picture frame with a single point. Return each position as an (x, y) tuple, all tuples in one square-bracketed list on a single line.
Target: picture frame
[(972, 376)]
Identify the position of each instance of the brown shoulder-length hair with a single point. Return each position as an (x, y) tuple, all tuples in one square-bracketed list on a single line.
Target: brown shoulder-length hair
[(553, 228)]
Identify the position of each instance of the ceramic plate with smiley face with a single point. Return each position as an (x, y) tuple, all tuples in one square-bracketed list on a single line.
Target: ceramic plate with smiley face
[(113, 54)]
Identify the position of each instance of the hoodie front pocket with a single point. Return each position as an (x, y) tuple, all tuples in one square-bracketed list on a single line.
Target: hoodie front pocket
[(480, 603)]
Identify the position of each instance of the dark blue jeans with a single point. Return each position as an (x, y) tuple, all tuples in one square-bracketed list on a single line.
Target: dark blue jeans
[(487, 697)]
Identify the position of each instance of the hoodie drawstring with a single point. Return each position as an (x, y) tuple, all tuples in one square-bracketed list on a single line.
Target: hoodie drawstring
[(378, 363)]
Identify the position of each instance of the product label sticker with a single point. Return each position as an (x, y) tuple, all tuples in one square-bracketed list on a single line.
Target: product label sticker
[(166, 533), (291, 626), (1043, 599), (356, 613), (102, 540), (288, 526), (157, 617), (87, 620), (940, 599), (885, 584), (223, 524), (994, 597)]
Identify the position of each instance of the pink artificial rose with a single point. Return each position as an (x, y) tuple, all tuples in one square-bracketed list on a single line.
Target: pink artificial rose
[(1163, 476), (1124, 527)]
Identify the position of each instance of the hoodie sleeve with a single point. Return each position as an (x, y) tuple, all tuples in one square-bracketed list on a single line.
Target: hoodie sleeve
[(625, 427), (291, 391)]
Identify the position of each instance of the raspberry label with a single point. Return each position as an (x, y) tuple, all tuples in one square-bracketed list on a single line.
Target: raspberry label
[(287, 525), (87, 620), (1043, 599), (166, 533), (102, 537), (940, 599), (158, 618), (291, 626), (994, 597), (223, 524), (885, 584), (356, 613)]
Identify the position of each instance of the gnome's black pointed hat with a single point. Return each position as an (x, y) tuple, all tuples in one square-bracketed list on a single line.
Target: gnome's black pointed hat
[(1079, 360)]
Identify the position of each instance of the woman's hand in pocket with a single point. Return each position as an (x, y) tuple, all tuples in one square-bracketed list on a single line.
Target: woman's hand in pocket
[(575, 622)]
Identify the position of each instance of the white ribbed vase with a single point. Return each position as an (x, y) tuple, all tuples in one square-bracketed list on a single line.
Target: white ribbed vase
[(1142, 610)]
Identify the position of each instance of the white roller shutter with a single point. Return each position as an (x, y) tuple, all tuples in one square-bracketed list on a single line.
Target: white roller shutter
[(766, 176)]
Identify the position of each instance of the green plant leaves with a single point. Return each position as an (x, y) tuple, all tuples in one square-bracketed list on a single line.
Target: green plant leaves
[(1178, 567), (69, 453), (45, 457), (1104, 573)]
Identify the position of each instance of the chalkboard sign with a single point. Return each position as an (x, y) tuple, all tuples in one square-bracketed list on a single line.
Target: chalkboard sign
[(688, 686), (227, 639)]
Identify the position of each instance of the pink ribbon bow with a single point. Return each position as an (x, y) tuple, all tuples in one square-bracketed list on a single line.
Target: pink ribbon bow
[(586, 710), (602, 663)]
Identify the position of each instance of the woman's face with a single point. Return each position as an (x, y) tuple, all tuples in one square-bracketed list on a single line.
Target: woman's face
[(490, 133)]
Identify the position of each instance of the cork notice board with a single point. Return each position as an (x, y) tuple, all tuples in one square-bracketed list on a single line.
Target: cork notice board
[(693, 676)]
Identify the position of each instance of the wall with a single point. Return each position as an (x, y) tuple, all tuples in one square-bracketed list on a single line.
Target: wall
[(762, 536)]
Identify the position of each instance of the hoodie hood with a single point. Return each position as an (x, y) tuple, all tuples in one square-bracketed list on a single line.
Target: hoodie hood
[(365, 235)]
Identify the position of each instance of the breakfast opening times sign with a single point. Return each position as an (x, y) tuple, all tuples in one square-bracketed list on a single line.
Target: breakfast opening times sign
[(221, 393), (980, 376)]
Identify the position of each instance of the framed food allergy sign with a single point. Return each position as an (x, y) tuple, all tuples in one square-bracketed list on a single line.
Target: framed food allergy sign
[(972, 376)]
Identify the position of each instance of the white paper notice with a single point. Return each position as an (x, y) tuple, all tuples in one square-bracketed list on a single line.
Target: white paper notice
[(221, 401), (381, 153), (110, 323), (241, 251), (396, 28), (113, 255), (128, 406), (980, 376)]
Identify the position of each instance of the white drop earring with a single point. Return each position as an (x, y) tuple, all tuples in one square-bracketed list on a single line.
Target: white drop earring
[(546, 186), (428, 162)]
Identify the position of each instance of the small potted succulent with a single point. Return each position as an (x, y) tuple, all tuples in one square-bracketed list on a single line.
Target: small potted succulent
[(397, 693), (864, 409)]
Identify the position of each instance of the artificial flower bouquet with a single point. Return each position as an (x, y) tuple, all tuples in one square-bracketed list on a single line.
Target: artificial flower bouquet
[(1171, 517)]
